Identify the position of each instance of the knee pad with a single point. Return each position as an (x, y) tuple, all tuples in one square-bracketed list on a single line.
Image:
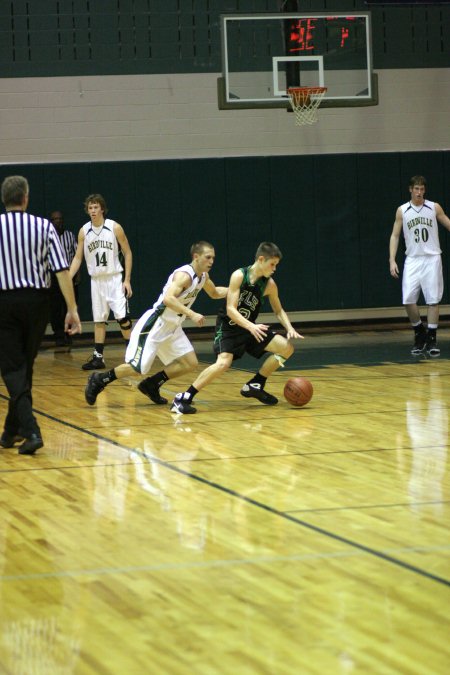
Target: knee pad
[(281, 360), (125, 323)]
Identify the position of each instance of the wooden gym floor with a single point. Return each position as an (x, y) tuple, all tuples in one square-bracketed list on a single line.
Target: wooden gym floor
[(242, 540)]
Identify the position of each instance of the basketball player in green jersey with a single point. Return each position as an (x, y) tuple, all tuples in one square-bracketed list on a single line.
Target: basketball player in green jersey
[(237, 331)]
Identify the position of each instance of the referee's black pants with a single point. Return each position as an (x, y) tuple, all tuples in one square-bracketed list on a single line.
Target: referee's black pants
[(58, 309), (23, 318)]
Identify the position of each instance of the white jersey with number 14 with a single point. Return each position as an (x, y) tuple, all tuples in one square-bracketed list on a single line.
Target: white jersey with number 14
[(101, 249)]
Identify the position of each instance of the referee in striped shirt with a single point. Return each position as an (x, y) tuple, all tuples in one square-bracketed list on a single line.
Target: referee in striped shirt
[(68, 243), (29, 251)]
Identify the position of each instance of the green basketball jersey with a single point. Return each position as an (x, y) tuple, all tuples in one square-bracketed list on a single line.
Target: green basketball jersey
[(250, 301)]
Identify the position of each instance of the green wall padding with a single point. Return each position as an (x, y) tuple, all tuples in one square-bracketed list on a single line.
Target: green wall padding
[(331, 216), (45, 38)]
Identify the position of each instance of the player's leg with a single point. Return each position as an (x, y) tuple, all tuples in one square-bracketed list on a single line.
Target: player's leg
[(125, 326), (433, 323), (413, 313), (100, 313), (222, 364), (100, 332), (98, 381), (227, 346), (411, 286), (433, 290), (182, 402), (151, 385), (139, 357), (96, 361), (118, 303), (177, 354), (281, 349)]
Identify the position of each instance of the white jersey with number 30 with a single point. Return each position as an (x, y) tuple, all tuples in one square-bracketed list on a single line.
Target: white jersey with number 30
[(101, 249), (420, 229)]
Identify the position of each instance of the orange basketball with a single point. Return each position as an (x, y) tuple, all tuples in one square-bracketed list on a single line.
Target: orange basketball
[(298, 391)]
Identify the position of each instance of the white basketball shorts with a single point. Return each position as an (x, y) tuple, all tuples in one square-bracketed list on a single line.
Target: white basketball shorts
[(160, 338), (423, 272), (107, 295)]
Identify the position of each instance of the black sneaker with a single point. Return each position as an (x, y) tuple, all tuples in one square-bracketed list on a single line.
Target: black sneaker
[(255, 390), (419, 342), (8, 441), (148, 388), (94, 363), (181, 406), (93, 388), (431, 346), (30, 445)]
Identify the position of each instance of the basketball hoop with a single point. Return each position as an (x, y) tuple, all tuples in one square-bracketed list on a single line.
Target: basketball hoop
[(304, 102)]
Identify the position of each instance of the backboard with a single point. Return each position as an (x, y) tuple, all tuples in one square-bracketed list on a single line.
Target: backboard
[(264, 54)]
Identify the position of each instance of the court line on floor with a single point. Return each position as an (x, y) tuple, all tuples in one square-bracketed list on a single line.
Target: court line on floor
[(366, 507), (206, 564), (254, 502)]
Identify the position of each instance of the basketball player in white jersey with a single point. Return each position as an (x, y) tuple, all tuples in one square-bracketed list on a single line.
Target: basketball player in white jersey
[(159, 330), (99, 241), (422, 270)]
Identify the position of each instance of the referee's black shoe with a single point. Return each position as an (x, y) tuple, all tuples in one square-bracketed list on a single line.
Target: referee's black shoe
[(95, 362), (7, 441), (93, 388), (30, 445)]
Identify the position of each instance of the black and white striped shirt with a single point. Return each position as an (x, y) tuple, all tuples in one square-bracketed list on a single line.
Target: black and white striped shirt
[(69, 244), (30, 250)]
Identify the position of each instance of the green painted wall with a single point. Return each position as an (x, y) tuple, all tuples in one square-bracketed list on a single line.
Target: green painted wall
[(331, 215)]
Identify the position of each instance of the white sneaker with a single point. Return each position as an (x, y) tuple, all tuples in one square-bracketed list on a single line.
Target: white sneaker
[(181, 405)]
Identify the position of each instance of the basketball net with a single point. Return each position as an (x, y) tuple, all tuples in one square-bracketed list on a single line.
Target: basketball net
[(304, 102)]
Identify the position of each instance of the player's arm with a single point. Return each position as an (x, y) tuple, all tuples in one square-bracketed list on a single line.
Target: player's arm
[(258, 330), (78, 257), (215, 292), (394, 241), (442, 218), (274, 299), (128, 258), (180, 282)]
